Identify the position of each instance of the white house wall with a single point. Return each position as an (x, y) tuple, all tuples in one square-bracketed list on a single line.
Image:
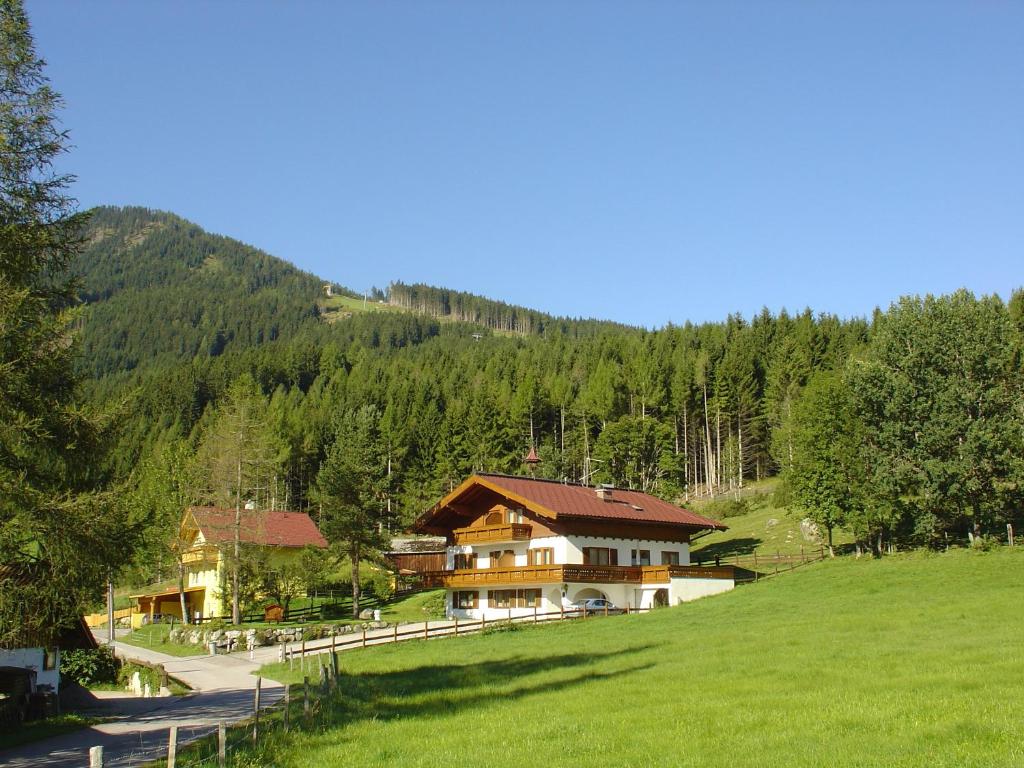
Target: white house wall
[(32, 658), (568, 550), (685, 590)]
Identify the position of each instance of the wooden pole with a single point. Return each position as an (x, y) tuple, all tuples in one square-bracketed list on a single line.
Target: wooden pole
[(364, 637), (256, 710), (96, 757), (535, 614), (287, 707), (426, 630), (222, 744), (172, 747), (456, 626)]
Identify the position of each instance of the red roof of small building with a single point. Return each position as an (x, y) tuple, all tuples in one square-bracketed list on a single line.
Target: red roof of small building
[(553, 499), (270, 528)]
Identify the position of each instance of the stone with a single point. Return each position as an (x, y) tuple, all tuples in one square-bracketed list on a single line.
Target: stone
[(366, 613), (810, 531)]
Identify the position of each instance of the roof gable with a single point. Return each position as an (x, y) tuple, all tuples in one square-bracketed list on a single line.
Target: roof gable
[(554, 500)]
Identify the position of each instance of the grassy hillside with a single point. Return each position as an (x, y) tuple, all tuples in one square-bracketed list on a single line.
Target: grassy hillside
[(765, 525), (915, 660)]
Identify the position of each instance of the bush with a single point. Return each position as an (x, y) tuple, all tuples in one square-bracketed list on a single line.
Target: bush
[(93, 666), (435, 605), (381, 585), (723, 508)]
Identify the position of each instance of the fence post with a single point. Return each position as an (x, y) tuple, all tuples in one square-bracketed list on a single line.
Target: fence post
[(483, 621), (561, 611), (364, 637), (256, 710), (222, 744), (172, 747), (302, 658), (535, 614), (96, 757), (287, 706), (426, 630), (456, 626)]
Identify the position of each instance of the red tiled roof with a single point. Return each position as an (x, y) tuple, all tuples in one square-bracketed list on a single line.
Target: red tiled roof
[(276, 528), (554, 499)]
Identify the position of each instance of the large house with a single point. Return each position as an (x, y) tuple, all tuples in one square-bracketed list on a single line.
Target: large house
[(208, 536), (518, 545)]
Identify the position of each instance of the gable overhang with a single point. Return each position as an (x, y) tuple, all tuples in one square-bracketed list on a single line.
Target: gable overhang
[(457, 508)]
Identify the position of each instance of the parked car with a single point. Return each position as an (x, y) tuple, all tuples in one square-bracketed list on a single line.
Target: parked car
[(597, 605), (16, 687)]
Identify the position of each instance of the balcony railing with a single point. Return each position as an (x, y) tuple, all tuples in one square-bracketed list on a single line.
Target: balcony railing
[(201, 554), (558, 574), (493, 533)]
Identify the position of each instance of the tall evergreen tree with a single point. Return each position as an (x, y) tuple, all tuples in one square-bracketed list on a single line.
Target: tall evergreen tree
[(56, 536), (352, 488)]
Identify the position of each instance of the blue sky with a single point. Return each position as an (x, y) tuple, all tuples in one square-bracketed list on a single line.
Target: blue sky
[(642, 162)]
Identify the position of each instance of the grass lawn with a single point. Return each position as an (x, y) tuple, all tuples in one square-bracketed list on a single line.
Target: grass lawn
[(403, 609), (37, 730), (914, 660), (154, 637), (411, 608)]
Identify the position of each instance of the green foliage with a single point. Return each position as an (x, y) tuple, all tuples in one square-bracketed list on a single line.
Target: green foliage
[(58, 535), (381, 584), (434, 607), (89, 666), (728, 507), (940, 394)]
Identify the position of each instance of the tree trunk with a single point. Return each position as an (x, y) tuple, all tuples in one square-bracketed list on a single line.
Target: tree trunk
[(181, 591), (831, 550), (236, 610), (354, 557)]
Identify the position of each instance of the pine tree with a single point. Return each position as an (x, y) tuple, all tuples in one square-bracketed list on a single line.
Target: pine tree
[(57, 536)]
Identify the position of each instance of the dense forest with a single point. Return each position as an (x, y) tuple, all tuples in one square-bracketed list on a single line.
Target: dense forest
[(682, 412)]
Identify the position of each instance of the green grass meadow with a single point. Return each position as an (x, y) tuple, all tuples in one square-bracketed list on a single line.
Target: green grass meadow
[(914, 660)]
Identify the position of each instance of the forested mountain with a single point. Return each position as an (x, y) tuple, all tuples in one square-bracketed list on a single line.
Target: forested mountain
[(155, 285), (181, 322)]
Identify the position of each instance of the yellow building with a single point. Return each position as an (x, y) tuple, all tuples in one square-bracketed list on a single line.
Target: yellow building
[(208, 535)]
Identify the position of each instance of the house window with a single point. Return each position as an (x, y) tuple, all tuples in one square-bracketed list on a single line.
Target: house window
[(514, 516), (50, 658), (465, 599), (600, 556), (669, 558), (513, 598), (465, 560), (500, 598), (542, 556), (640, 557)]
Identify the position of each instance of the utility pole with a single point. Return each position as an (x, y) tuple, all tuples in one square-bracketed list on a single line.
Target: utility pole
[(110, 610)]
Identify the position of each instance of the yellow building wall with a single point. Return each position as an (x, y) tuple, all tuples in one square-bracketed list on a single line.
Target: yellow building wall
[(209, 575)]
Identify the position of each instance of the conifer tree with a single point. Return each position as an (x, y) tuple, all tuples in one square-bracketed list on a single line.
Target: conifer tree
[(56, 536)]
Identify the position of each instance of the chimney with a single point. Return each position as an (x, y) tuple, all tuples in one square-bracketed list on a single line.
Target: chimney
[(604, 492)]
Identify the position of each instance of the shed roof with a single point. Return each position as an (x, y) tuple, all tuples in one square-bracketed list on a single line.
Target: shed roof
[(270, 528)]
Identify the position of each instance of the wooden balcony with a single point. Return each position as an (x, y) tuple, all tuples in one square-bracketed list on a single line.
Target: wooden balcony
[(203, 554), (493, 533), (572, 574)]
